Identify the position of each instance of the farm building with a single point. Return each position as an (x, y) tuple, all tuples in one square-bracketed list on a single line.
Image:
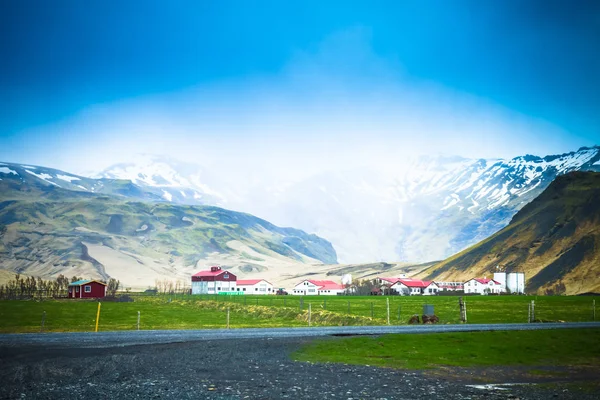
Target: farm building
[(450, 286), (389, 281), (313, 287), (213, 281), (86, 289), (513, 282), (483, 286), (254, 286), (413, 287)]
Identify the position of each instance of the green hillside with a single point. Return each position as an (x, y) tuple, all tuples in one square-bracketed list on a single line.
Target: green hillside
[(555, 240), (46, 230)]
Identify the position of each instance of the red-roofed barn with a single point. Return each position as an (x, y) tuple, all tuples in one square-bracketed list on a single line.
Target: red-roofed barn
[(213, 281)]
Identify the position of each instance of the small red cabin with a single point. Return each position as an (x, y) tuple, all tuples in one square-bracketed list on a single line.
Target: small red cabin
[(86, 289)]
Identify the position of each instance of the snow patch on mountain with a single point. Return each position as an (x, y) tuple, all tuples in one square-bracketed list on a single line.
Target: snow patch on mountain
[(450, 201), (67, 178), (43, 176), (6, 170), (172, 179)]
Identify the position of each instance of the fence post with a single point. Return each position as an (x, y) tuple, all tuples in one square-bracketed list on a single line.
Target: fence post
[(532, 310), (43, 321), (138, 323), (462, 305), (227, 317), (309, 314), (388, 309), (529, 313), (371, 309), (98, 317)]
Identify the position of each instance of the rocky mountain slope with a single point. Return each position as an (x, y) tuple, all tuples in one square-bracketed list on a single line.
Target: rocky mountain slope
[(46, 230), (428, 209), (555, 240)]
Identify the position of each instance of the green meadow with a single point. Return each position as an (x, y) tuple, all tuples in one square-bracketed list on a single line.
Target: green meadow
[(208, 312), (480, 309), (561, 347)]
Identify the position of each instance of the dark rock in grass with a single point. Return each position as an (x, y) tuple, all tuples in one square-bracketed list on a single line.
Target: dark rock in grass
[(414, 320), (430, 319)]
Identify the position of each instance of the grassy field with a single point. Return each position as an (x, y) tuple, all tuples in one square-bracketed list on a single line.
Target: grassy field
[(579, 347), (20, 316), (480, 309), (200, 312)]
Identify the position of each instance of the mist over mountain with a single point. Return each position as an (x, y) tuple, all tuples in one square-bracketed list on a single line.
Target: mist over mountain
[(428, 210)]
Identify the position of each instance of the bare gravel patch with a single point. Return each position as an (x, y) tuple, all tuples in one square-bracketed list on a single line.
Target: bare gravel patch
[(234, 369)]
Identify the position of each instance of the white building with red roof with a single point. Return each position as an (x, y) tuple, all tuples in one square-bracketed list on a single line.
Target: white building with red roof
[(450, 286), (413, 287), (483, 286), (313, 287), (254, 286), (213, 281), (388, 281)]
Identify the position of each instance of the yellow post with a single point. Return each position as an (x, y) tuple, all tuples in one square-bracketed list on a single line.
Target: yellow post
[(98, 317)]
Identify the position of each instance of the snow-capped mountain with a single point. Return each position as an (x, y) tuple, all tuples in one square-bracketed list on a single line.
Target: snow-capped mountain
[(21, 177), (173, 180), (429, 210)]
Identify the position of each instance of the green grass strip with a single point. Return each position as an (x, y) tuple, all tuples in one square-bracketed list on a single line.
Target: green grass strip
[(562, 347)]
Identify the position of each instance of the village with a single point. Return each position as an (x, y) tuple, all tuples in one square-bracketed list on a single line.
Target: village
[(218, 281)]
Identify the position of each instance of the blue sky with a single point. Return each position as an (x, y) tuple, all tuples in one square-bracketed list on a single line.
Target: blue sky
[(93, 82)]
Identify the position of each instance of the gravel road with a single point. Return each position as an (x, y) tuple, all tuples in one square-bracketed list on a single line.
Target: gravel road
[(229, 367), (125, 338)]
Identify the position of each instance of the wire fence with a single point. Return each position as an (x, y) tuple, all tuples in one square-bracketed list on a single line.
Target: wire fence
[(132, 311)]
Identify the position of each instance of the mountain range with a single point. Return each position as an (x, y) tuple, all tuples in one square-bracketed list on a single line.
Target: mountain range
[(168, 218), (429, 209), (52, 222), (554, 240)]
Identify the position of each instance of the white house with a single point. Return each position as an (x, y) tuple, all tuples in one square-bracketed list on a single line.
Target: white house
[(483, 286), (313, 287), (431, 289), (254, 286), (413, 287)]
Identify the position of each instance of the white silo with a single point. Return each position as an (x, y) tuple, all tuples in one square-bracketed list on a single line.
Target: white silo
[(500, 277), (515, 282)]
